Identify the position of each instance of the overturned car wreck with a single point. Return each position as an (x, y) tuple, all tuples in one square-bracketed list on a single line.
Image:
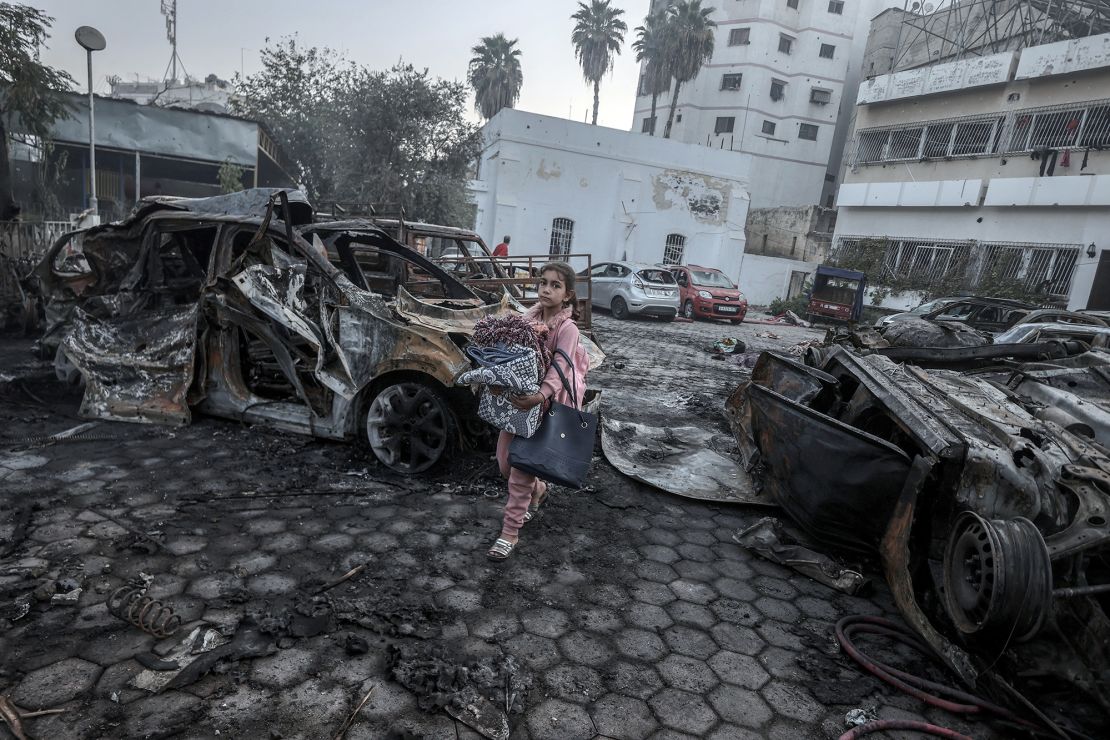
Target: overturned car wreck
[(986, 496), (240, 306)]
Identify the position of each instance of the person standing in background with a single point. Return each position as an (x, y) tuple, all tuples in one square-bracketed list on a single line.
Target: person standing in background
[(502, 249)]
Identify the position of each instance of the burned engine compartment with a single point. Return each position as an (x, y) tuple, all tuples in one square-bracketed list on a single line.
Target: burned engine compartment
[(985, 494)]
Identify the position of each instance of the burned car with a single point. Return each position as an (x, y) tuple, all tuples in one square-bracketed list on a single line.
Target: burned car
[(986, 496), (239, 306)]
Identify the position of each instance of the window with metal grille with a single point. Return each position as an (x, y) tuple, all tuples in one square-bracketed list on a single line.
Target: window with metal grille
[(769, 128), (820, 96), (648, 126), (739, 36), (954, 137), (1060, 127), (562, 232), (731, 81), (807, 131), (724, 124), (1041, 268), (828, 51), (792, 4), (836, 6), (778, 89), (674, 251), (786, 43)]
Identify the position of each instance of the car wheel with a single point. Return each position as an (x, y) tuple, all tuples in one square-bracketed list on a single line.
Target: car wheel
[(620, 308), (688, 310), (410, 427), (737, 321)]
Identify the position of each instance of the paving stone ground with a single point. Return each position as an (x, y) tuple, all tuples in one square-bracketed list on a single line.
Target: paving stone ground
[(632, 612)]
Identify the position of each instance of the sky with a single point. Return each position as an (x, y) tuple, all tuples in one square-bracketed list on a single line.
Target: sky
[(224, 37)]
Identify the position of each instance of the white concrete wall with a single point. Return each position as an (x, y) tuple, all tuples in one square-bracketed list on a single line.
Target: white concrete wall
[(624, 192), (786, 169), (763, 279)]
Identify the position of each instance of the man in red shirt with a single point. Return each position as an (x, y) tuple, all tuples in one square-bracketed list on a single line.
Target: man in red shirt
[(502, 249)]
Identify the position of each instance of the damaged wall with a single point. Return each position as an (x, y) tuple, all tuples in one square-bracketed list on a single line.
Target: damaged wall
[(623, 192), (802, 233)]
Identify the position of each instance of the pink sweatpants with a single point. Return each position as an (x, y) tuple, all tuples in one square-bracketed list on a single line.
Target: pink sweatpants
[(521, 487)]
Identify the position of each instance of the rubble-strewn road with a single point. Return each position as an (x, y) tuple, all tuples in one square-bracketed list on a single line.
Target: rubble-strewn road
[(631, 612)]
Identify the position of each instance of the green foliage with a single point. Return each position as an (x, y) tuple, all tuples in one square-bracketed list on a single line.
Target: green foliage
[(688, 46), (230, 176), (651, 51), (359, 135), (799, 304), (28, 89), (495, 74), (597, 37)]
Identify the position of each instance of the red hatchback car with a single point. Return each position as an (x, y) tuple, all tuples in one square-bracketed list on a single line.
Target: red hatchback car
[(707, 293)]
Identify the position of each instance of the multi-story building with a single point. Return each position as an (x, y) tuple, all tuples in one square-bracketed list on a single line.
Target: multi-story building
[(211, 96), (774, 89), (989, 173)]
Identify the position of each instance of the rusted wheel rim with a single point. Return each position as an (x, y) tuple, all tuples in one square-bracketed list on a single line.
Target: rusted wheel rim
[(407, 427)]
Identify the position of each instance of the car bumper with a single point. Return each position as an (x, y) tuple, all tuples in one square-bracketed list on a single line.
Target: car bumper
[(720, 309), (652, 306)]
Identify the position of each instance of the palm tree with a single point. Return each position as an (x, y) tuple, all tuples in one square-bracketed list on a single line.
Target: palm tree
[(597, 38), (495, 74), (650, 48), (689, 45)]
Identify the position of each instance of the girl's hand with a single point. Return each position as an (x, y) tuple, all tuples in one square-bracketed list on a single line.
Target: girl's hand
[(525, 403)]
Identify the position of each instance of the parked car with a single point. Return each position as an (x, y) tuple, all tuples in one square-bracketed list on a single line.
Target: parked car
[(239, 306), (1095, 335), (1060, 316), (915, 313), (984, 314), (707, 293), (837, 294), (630, 288)]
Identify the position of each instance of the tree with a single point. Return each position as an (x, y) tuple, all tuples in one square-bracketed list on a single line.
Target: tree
[(230, 177), (597, 38), (495, 75), (397, 137), (650, 50), (688, 47), (28, 89)]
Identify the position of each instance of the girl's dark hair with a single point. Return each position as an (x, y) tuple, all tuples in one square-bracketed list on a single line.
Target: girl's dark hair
[(566, 272)]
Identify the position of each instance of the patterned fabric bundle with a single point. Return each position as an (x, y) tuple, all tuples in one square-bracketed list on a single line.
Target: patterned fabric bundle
[(514, 329)]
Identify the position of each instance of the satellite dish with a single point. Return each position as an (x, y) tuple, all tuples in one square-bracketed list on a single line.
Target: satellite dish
[(928, 7), (90, 38)]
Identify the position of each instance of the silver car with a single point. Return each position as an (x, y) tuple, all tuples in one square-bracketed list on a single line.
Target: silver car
[(628, 288)]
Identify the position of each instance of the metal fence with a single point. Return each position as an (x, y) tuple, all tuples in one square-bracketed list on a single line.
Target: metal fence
[(22, 245), (1073, 126), (1044, 269)]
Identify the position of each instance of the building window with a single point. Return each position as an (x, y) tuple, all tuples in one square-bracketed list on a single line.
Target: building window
[(675, 249), (807, 131), (562, 232), (739, 36), (792, 4), (731, 81), (967, 137), (724, 124), (820, 96), (778, 89), (786, 43), (836, 6), (828, 51), (769, 128), (648, 126)]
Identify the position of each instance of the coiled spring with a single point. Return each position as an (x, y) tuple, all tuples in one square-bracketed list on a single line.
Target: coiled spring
[(131, 604)]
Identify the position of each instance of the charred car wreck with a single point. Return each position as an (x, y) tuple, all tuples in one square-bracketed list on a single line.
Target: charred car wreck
[(240, 306), (986, 496)]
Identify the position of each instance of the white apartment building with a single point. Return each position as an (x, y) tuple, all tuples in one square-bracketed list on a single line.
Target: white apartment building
[(987, 171), (561, 187), (774, 89)]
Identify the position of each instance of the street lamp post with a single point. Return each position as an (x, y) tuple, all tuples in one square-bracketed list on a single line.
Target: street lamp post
[(91, 40)]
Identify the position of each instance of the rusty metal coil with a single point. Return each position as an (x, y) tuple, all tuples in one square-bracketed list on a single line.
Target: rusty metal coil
[(131, 604)]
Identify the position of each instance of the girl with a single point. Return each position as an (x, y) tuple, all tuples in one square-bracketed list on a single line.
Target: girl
[(557, 309)]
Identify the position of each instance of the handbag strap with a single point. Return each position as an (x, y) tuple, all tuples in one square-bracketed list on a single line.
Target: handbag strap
[(574, 376)]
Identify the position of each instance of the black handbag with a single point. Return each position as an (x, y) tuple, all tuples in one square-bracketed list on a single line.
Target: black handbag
[(561, 450)]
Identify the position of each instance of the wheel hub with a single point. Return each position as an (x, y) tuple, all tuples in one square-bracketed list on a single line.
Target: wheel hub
[(998, 577), (407, 428)]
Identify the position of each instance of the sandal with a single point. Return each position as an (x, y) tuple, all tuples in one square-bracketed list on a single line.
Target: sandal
[(501, 550), (534, 508)]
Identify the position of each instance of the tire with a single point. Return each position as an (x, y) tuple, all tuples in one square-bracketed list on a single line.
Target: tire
[(620, 309), (410, 427), (688, 309), (669, 319), (737, 321)]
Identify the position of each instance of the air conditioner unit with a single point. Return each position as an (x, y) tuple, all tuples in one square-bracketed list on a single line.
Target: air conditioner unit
[(821, 97)]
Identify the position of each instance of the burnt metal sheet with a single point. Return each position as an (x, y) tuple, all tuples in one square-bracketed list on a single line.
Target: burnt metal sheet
[(676, 457), (839, 484), (136, 368)]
